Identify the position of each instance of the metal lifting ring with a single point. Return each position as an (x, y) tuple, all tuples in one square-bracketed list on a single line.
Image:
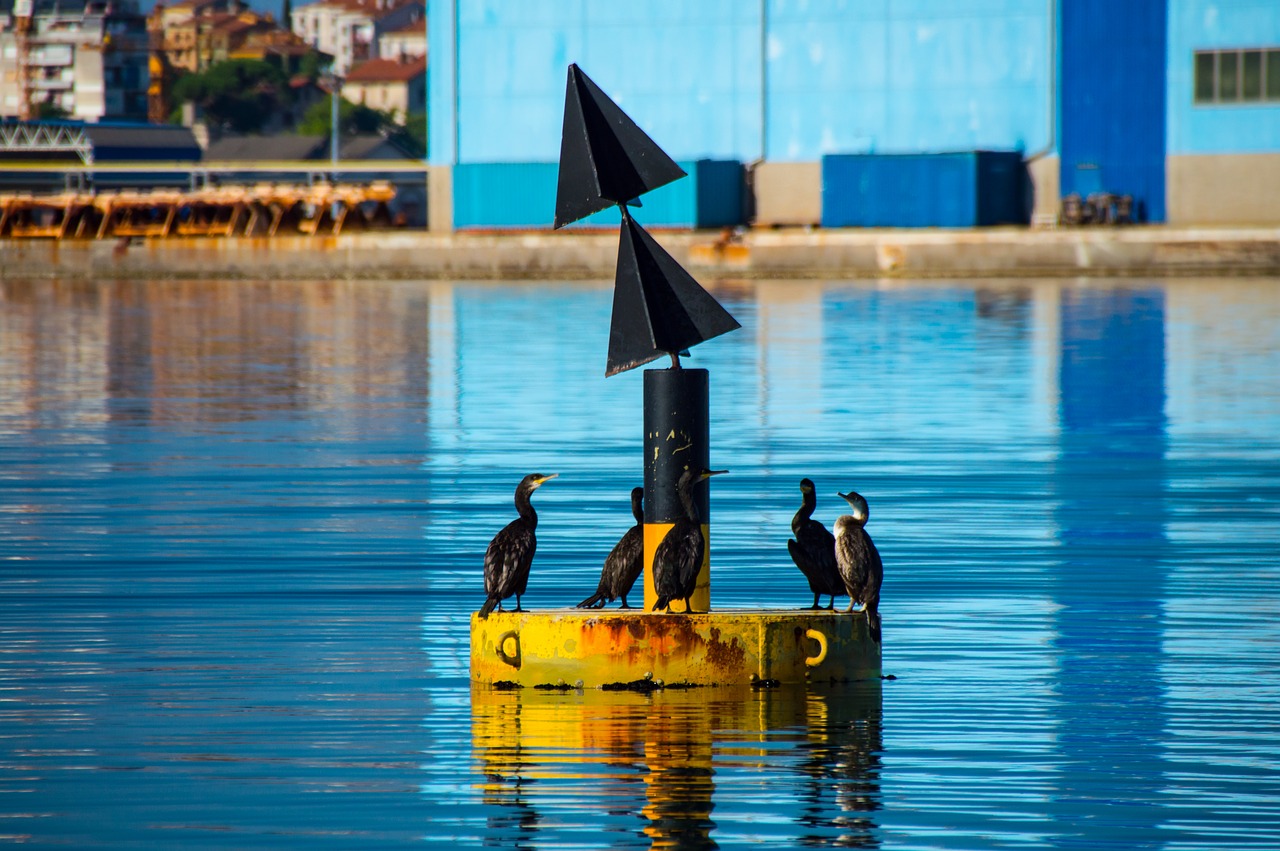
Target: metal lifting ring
[(513, 658), (815, 661)]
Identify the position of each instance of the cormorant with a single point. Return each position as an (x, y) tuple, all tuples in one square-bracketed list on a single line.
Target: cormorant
[(814, 549), (681, 551), (859, 561), (510, 553), (624, 563)]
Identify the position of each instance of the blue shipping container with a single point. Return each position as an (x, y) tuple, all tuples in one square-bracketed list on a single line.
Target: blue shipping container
[(523, 195), (969, 189)]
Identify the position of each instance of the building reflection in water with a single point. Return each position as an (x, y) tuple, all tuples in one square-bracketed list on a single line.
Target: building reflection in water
[(212, 351), (657, 760), (842, 769), (1111, 486)]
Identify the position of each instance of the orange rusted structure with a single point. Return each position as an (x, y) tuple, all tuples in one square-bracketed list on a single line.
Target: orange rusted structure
[(222, 211)]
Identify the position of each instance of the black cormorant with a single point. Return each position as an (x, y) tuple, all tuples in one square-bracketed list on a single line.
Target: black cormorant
[(859, 561), (510, 553), (814, 549), (681, 551), (624, 563)]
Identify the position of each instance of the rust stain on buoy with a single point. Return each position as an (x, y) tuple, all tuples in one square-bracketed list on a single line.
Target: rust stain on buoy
[(603, 648)]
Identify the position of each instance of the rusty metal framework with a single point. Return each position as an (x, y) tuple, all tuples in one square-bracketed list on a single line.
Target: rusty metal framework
[(42, 138), (259, 210)]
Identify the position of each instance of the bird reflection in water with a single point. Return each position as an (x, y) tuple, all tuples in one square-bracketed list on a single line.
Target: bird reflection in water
[(512, 821), (655, 764), (842, 767), (680, 781)]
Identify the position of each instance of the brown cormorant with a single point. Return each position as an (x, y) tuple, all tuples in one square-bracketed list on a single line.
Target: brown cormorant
[(624, 563), (681, 551), (859, 561), (814, 549), (510, 553)]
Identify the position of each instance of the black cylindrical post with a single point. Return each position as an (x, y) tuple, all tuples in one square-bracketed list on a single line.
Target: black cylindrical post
[(676, 438)]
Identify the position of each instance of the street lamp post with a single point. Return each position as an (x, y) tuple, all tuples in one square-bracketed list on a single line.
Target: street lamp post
[(335, 89)]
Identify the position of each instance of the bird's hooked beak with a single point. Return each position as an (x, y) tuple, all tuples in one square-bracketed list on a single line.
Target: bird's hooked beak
[(706, 474), (857, 503), (541, 480)]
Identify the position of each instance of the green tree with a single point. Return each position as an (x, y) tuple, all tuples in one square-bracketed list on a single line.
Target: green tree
[(352, 118), (241, 95), (46, 111), (412, 136), (313, 64)]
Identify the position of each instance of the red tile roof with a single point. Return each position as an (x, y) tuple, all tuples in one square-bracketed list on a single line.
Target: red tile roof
[(387, 71)]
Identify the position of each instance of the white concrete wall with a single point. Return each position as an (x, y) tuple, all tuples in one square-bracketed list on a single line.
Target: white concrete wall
[(1223, 189), (788, 194)]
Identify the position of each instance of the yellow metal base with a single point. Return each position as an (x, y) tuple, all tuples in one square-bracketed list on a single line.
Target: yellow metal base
[(599, 648)]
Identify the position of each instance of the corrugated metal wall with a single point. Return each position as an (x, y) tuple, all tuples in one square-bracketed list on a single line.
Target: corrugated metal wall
[(523, 196), (731, 79), (1113, 100), (1200, 128)]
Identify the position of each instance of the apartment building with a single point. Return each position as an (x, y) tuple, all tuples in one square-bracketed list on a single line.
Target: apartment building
[(81, 61), (350, 30)]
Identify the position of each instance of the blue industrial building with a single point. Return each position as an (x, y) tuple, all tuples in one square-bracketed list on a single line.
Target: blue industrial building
[(871, 112)]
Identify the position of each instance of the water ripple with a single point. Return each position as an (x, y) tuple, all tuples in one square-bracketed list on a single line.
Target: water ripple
[(241, 530)]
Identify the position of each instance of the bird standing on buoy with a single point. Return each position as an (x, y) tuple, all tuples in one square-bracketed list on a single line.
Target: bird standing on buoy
[(814, 549), (682, 550), (859, 561), (624, 564), (510, 553)]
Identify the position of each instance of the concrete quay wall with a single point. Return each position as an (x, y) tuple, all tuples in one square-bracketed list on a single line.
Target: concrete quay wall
[(783, 253)]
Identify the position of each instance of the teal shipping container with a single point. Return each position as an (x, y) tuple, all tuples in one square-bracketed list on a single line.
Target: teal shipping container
[(957, 190), (523, 195)]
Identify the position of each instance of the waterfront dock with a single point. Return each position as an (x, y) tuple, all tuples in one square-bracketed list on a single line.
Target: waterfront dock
[(591, 255)]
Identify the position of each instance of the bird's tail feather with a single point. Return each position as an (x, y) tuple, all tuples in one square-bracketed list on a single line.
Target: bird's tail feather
[(595, 601), (488, 606), (662, 604), (873, 622)]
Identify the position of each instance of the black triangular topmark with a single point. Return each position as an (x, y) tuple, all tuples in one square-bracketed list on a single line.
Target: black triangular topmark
[(605, 158), (658, 307)]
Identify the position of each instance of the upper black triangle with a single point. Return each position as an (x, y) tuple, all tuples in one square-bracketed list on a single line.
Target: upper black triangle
[(605, 158), (658, 307)]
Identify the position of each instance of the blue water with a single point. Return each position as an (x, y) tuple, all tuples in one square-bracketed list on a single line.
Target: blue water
[(241, 529)]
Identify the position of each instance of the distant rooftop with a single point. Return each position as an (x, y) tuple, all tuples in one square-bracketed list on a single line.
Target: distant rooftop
[(292, 146), (110, 141), (387, 70), (281, 146), (413, 27)]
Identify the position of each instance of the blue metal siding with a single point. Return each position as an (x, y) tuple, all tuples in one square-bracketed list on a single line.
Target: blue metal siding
[(1113, 100), (923, 190), (688, 73), (735, 80), (1219, 128), (523, 195), (893, 76), (442, 119)]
